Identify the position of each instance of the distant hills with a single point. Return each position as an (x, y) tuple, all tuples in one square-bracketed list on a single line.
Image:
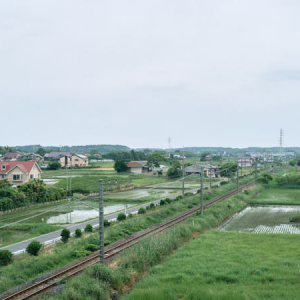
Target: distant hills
[(76, 149), (111, 148)]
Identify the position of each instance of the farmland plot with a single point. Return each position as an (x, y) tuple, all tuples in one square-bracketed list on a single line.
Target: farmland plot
[(264, 219)]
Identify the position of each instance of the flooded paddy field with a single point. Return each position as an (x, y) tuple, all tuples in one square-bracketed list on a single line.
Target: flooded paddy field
[(141, 194), (264, 219)]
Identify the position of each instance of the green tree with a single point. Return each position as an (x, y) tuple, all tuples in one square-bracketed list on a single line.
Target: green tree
[(228, 170), (120, 166), (78, 233), (41, 151), (174, 171), (54, 165), (121, 217), (88, 228), (6, 257), (65, 235), (142, 211), (33, 248), (156, 158)]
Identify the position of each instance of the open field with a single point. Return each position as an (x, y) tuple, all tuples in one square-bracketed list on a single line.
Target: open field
[(279, 195), (264, 219), (228, 266)]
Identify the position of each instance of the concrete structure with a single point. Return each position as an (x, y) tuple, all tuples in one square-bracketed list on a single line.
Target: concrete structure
[(196, 169), (19, 172), (138, 167), (78, 160)]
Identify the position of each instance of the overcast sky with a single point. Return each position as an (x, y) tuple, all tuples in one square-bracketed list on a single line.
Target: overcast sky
[(205, 73)]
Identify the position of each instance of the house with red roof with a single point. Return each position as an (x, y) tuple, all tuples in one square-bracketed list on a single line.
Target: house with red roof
[(19, 172), (138, 167)]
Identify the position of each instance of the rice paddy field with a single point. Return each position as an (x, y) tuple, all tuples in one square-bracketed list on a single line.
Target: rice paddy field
[(279, 196), (221, 265), (264, 219)]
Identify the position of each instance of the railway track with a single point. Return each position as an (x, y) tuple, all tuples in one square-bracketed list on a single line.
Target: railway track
[(110, 251)]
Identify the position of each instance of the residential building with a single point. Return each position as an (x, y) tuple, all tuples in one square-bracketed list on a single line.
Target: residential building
[(19, 172), (78, 160), (245, 161), (63, 157), (207, 169), (13, 156), (33, 156), (138, 167)]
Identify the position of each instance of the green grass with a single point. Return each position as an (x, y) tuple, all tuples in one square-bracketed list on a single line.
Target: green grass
[(227, 266), (279, 196)]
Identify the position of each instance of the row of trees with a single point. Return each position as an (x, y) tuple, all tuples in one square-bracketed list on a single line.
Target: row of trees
[(31, 192)]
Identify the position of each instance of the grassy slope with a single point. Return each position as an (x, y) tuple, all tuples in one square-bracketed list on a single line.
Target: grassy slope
[(221, 265)]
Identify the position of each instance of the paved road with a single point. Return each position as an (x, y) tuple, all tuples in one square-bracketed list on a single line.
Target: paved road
[(54, 236)]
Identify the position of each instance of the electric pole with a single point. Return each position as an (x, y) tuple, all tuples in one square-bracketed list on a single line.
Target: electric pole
[(210, 171), (183, 173), (202, 170), (101, 221), (237, 179), (255, 171)]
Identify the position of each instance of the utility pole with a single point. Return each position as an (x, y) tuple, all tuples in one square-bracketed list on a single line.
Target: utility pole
[(210, 170), (101, 221), (183, 173), (202, 170), (237, 179), (255, 171)]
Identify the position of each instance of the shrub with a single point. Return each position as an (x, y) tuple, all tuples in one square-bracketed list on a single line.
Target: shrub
[(121, 217), (5, 257), (78, 233), (88, 228), (33, 248), (130, 216), (106, 223), (142, 211), (92, 247), (152, 206), (81, 253), (246, 192), (168, 200), (65, 235), (179, 197), (148, 207), (224, 182), (162, 202)]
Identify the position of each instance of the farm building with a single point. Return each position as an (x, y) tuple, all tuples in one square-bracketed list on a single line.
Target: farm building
[(138, 167), (19, 172)]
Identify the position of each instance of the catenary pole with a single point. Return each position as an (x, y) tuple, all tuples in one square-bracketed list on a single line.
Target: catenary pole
[(101, 221), (183, 172), (237, 179), (201, 174)]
